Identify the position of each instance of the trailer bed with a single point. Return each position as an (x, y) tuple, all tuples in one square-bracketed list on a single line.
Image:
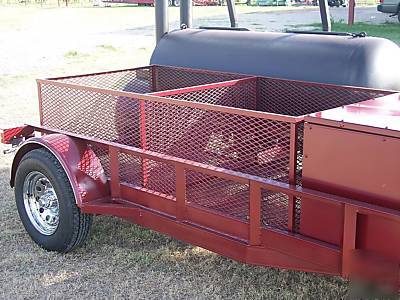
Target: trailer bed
[(215, 159)]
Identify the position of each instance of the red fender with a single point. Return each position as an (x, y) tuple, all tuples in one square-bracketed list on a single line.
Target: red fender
[(80, 163)]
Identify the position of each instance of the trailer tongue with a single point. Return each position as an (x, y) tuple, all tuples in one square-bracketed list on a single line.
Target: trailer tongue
[(274, 172)]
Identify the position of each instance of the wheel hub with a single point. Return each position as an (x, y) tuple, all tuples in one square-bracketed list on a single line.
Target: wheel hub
[(41, 203)]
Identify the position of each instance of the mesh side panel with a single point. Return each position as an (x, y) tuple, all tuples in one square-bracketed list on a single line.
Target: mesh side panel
[(217, 194), (130, 169), (89, 113), (168, 78), (297, 214), (136, 81), (251, 145), (243, 95), (157, 177), (160, 177), (298, 98), (274, 209), (141, 80), (299, 163), (102, 154)]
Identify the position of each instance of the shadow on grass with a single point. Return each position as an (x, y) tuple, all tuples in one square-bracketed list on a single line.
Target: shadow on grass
[(121, 259)]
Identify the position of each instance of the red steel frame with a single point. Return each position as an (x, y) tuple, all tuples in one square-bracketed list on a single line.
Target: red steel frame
[(247, 241)]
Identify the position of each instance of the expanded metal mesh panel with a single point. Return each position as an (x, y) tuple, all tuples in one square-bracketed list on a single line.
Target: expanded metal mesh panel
[(219, 195), (94, 114), (135, 80), (247, 144), (295, 98), (149, 79), (102, 154), (274, 209), (168, 78), (242, 95), (297, 214), (159, 177), (299, 162), (130, 169), (154, 176)]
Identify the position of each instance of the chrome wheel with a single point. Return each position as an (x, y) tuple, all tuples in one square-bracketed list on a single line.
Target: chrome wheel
[(41, 203)]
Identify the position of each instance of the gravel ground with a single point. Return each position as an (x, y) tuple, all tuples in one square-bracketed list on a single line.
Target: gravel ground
[(121, 260)]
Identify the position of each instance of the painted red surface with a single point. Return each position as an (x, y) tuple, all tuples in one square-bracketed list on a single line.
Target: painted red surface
[(228, 165)]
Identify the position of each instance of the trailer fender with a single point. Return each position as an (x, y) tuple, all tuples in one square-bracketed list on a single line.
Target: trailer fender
[(80, 163)]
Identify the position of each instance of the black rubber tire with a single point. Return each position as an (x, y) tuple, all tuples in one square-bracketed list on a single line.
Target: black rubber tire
[(74, 226)]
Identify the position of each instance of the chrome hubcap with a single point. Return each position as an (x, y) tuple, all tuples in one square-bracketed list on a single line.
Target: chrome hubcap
[(41, 203)]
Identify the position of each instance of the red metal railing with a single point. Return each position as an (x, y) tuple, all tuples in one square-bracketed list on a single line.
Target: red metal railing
[(243, 126)]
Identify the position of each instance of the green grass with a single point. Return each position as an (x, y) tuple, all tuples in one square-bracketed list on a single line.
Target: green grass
[(389, 31), (119, 260)]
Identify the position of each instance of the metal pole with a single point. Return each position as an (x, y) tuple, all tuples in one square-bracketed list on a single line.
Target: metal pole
[(161, 8), (186, 13), (232, 13), (325, 16), (350, 20)]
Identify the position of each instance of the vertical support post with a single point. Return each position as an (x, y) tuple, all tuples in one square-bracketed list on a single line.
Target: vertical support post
[(349, 238), (292, 175), (161, 9), (232, 13), (255, 214), (180, 187), (325, 16), (114, 172), (352, 4), (186, 13)]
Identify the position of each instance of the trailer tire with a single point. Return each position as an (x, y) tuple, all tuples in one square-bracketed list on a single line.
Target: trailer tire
[(46, 203)]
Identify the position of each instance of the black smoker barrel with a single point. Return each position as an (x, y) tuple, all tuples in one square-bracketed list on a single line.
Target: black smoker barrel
[(344, 60)]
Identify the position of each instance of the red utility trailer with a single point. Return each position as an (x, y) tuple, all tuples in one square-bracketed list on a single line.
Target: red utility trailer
[(266, 171)]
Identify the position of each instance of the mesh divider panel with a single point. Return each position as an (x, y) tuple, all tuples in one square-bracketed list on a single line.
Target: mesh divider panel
[(274, 209), (218, 194), (242, 95), (168, 78), (136, 81), (295, 98), (247, 144)]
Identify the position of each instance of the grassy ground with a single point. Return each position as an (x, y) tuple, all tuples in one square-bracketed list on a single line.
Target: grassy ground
[(389, 31), (119, 260)]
